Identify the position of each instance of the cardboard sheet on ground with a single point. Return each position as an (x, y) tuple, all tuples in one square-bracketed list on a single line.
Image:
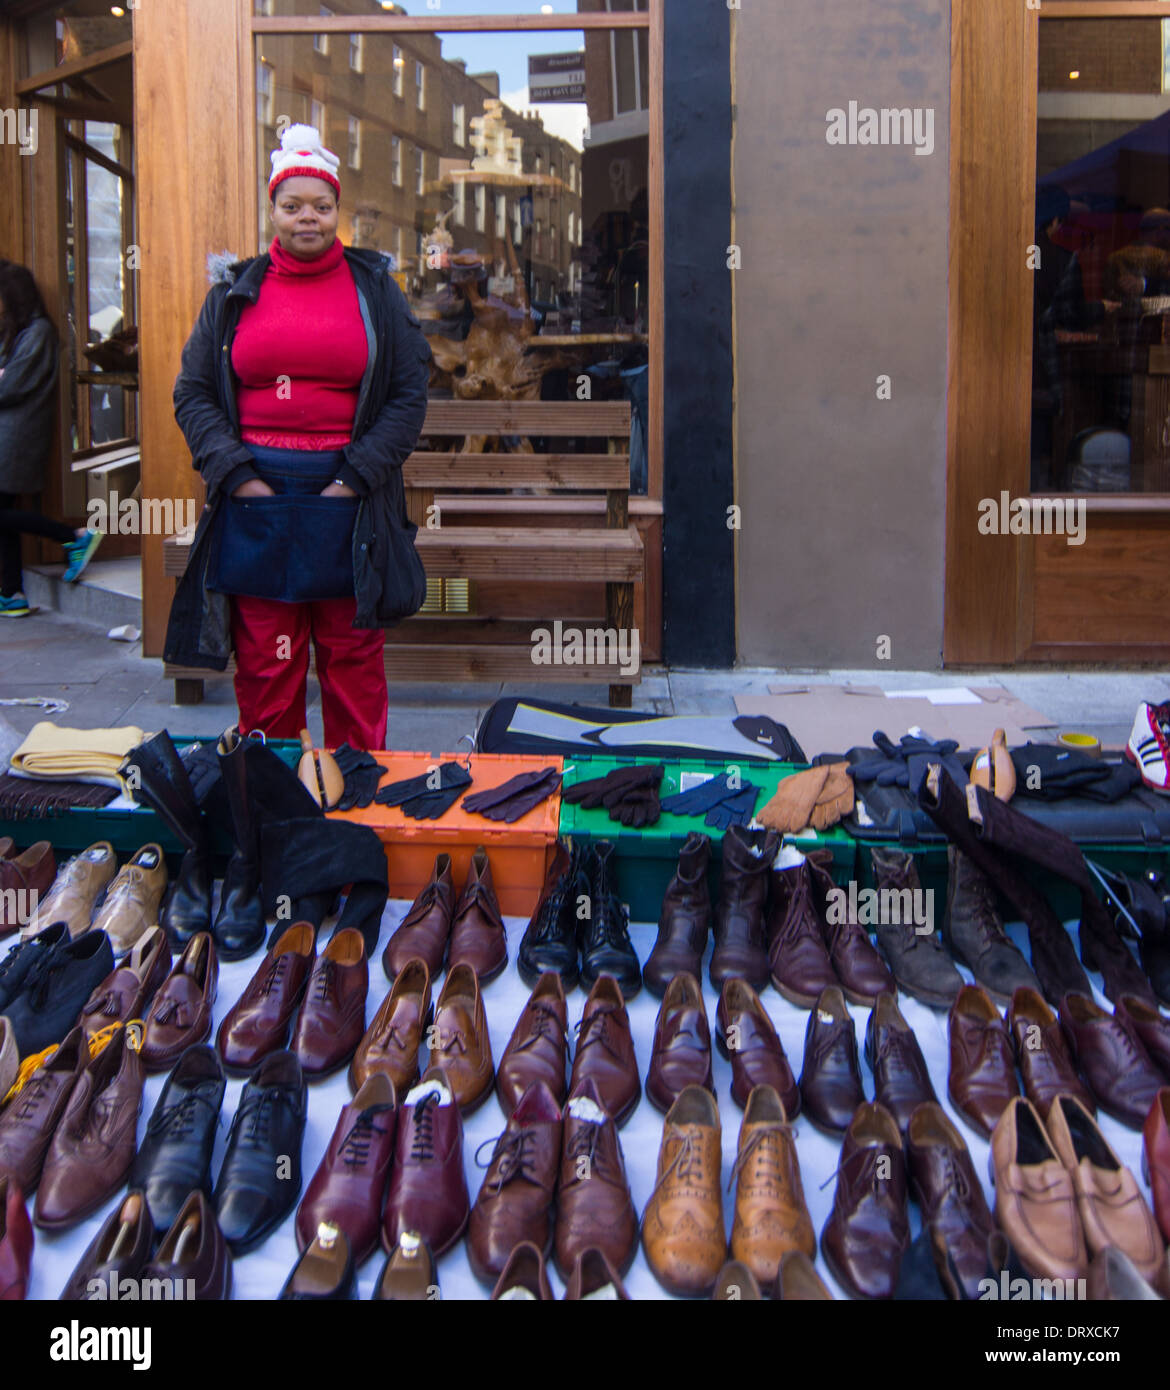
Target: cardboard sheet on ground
[(835, 718)]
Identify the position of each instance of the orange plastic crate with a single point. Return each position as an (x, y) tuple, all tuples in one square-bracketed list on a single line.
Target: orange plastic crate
[(520, 854)]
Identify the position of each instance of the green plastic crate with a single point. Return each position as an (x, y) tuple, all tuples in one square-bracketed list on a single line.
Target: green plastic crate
[(75, 829), (647, 858)]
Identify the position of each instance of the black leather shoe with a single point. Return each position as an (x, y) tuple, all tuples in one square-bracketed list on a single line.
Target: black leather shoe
[(550, 941), (240, 925), (606, 948), (325, 1270), (164, 784), (56, 989), (174, 1159), (260, 1180), (23, 957)]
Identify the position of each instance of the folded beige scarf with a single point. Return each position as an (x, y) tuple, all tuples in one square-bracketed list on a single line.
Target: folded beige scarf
[(76, 755)]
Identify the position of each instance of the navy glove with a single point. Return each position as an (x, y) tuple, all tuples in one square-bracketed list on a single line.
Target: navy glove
[(903, 764), (703, 798), (738, 809)]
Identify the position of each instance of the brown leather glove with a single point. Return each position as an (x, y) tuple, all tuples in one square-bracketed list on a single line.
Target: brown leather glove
[(796, 796), (835, 800)]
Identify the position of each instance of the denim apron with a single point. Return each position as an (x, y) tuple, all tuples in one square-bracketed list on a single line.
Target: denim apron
[(296, 546)]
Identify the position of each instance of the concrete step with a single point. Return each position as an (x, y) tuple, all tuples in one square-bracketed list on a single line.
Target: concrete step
[(108, 594)]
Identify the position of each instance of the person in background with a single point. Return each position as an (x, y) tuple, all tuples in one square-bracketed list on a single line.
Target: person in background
[(28, 402), (303, 390)]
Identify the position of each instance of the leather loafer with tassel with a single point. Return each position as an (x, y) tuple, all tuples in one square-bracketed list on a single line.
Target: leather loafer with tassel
[(180, 1016), (124, 994)]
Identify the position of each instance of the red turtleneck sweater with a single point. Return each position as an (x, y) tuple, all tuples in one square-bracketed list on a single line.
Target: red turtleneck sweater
[(299, 353)]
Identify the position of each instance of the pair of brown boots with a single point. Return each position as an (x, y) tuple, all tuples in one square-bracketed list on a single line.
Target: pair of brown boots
[(469, 931)]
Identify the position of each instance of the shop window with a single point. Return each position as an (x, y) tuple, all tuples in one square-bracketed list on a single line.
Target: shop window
[(66, 32), (1100, 258), (265, 112)]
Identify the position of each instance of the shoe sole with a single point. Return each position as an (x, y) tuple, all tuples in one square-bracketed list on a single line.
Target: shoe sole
[(473, 1105), (802, 1001)]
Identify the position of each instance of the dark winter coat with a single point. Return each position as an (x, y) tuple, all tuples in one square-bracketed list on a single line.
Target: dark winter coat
[(389, 583), (28, 404)]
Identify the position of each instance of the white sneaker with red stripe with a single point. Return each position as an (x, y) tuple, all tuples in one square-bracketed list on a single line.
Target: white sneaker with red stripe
[(1149, 745)]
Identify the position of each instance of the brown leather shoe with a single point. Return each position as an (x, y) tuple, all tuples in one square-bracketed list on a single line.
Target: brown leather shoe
[(799, 1282), (605, 1051), (124, 994), (409, 1274), (119, 1251), (685, 919), (93, 1146), (800, 964), (682, 1227), (982, 1076), (478, 937), (593, 1277), (1042, 1053), (349, 1187), (461, 1045), (423, 932), (1114, 1279), (1156, 1158), (855, 959), (538, 1049), (258, 1022), (946, 1188), (594, 1206), (180, 1016), (900, 1076), (736, 1283), (1035, 1200), (1151, 1027), (428, 1189), (392, 1041), (771, 1216), (29, 1120), (515, 1200), (830, 1079), (75, 891), (9, 1058), (868, 1230), (132, 901), (1111, 1058), (524, 1278), (24, 880), (194, 1255), (681, 1055), (741, 942), (1111, 1206), (332, 1015), (745, 1036)]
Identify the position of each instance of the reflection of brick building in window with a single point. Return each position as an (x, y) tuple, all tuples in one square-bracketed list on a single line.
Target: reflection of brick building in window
[(386, 196)]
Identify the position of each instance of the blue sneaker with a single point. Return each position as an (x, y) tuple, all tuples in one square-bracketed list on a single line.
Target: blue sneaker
[(78, 554), (14, 607)]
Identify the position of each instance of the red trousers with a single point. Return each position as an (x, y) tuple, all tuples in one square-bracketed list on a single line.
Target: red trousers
[(272, 665)]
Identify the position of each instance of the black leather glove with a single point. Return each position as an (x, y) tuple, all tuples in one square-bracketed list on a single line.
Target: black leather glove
[(515, 798), (430, 804), (362, 774), (629, 794)]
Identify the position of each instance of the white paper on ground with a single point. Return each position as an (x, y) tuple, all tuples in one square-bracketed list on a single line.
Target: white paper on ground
[(958, 695)]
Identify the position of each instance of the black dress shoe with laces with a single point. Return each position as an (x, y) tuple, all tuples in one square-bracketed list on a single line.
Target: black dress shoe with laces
[(606, 948), (175, 1157), (260, 1180), (56, 988), (550, 941), (16, 966)]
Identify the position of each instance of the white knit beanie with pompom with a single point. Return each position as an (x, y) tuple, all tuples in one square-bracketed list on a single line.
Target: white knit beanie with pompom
[(301, 153)]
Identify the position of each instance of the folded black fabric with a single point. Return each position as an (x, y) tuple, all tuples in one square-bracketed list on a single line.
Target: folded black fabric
[(513, 799), (314, 856), (1050, 773)]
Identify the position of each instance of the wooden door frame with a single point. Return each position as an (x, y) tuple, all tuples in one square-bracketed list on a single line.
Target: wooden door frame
[(990, 580)]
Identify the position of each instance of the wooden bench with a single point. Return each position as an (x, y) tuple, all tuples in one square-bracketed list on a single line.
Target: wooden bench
[(442, 486)]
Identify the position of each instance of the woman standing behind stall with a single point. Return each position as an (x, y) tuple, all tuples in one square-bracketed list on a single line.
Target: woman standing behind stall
[(303, 390)]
